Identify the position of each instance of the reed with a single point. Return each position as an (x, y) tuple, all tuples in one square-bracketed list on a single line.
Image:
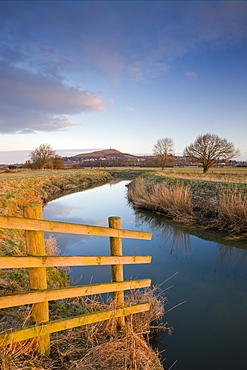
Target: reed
[(207, 205), (232, 212), (175, 201)]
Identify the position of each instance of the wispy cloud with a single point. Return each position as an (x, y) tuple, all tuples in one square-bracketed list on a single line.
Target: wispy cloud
[(191, 75), (140, 70), (131, 109)]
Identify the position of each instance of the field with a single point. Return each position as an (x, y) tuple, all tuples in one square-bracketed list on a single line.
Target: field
[(226, 174), (25, 173)]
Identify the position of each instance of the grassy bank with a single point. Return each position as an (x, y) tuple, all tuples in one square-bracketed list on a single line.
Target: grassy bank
[(98, 346), (198, 202), (38, 187)]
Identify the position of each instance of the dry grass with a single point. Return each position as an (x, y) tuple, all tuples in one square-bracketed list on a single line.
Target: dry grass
[(235, 178), (175, 201), (99, 346), (232, 212), (224, 208), (51, 246)]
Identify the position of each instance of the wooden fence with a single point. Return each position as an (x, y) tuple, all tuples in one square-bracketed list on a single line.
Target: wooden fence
[(36, 261)]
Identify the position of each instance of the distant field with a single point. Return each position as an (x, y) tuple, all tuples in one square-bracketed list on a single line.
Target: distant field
[(220, 170), (225, 174), (25, 174)]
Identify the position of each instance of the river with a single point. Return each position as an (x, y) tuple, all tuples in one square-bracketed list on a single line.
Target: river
[(199, 268)]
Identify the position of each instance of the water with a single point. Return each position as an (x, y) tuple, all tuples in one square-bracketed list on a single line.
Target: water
[(210, 329)]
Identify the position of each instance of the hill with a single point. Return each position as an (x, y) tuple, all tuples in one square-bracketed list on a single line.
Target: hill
[(107, 153)]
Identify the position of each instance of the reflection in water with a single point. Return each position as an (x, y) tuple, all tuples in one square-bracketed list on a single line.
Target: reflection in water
[(176, 238), (179, 239), (237, 257)]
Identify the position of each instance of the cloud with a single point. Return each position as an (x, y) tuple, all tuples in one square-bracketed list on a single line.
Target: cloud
[(34, 102), (131, 109), (140, 70), (52, 39), (111, 101), (191, 75)]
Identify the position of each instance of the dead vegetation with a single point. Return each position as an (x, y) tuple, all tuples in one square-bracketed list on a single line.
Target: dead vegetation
[(175, 201), (232, 212), (223, 208), (98, 346)]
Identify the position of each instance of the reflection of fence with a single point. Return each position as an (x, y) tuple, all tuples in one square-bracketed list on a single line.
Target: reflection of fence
[(36, 261)]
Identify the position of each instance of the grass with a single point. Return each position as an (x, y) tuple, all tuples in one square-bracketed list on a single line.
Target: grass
[(98, 346), (198, 202), (26, 188), (26, 173)]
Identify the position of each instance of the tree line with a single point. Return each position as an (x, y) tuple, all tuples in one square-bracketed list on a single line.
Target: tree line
[(207, 150), (44, 157)]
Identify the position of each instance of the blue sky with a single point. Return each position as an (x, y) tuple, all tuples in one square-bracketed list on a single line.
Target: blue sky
[(94, 75)]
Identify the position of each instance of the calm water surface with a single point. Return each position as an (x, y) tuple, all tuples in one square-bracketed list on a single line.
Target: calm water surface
[(210, 329)]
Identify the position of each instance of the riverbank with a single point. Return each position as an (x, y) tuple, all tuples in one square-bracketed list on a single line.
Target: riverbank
[(91, 347), (38, 187), (194, 202)]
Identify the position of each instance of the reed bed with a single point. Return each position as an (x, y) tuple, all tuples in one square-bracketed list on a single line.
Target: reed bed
[(211, 205), (175, 201), (98, 346), (232, 212)]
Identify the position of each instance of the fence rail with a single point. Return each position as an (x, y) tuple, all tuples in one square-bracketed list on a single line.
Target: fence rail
[(21, 223), (37, 262)]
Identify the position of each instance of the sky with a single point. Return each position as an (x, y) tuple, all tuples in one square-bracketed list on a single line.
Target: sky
[(88, 75)]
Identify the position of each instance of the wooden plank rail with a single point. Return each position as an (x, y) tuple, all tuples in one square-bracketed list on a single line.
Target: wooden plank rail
[(11, 300), (58, 325), (36, 261), (61, 261), (62, 227)]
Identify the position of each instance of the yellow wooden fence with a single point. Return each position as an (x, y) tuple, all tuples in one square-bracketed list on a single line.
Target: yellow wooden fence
[(36, 261)]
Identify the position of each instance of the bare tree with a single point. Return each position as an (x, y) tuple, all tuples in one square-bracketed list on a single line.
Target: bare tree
[(57, 162), (40, 156), (164, 149), (210, 149)]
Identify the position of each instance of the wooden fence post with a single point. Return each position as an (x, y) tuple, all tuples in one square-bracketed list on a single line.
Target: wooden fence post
[(35, 242), (117, 270)]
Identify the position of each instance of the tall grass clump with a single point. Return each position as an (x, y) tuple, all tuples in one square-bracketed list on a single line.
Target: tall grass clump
[(171, 199), (232, 212)]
